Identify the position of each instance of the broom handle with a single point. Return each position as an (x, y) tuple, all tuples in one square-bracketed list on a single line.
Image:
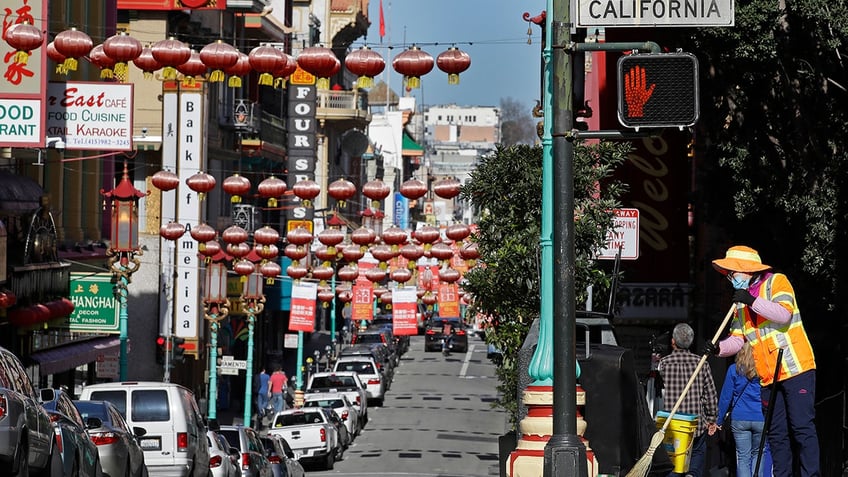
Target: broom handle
[(698, 368)]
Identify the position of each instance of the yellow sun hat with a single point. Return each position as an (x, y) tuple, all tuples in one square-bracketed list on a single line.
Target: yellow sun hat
[(740, 258)]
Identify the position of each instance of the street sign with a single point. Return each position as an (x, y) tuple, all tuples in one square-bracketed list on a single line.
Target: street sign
[(95, 307), (227, 362), (623, 235), (658, 90), (654, 13)]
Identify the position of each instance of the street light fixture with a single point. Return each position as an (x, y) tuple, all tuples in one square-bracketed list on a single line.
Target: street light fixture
[(216, 307), (254, 302), (124, 251)]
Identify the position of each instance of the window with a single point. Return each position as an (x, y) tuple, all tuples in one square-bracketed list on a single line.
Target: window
[(117, 398), (150, 405)]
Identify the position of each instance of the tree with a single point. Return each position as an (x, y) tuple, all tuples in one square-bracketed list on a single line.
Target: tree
[(506, 191), (517, 124)]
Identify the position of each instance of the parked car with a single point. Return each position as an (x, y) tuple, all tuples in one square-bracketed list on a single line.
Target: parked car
[(339, 404), (385, 322), (366, 368), (223, 458), (254, 462), (175, 441), (379, 352), (27, 437), (79, 452), (345, 437), (117, 443), (311, 433), (284, 462), (368, 336), (346, 382), (436, 328)]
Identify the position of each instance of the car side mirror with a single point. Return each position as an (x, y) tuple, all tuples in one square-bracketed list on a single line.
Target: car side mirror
[(93, 423), (47, 394)]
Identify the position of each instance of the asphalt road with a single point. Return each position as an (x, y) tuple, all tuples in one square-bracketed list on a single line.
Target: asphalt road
[(437, 420)]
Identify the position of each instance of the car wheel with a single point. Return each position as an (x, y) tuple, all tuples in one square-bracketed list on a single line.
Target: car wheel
[(379, 401), (21, 462), (331, 461)]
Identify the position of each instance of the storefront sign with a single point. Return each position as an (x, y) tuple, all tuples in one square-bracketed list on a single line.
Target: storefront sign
[(95, 307), (91, 116)]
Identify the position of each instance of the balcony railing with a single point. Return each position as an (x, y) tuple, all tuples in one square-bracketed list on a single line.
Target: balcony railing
[(343, 105)]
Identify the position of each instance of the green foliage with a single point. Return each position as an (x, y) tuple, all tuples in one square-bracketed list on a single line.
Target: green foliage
[(506, 191)]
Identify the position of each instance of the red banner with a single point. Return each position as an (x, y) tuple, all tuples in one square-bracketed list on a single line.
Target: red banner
[(448, 300), (363, 302), (404, 310), (302, 316)]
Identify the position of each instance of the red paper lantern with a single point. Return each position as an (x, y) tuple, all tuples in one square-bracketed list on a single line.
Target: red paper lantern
[(236, 186), (237, 70), (296, 272), (413, 64), (272, 189), (469, 251), (441, 251), (192, 69), (412, 253), (363, 236), (100, 59), (238, 250), (427, 235), (284, 71), (331, 238), (170, 53), (306, 190), (428, 299), (325, 295), (348, 273), (72, 44), (321, 62), (376, 190), (171, 231), (453, 61), (267, 252), (457, 232), (447, 188), (234, 234), (201, 183), (394, 236), (295, 252), (401, 275), (375, 274), (413, 189), (382, 253), (353, 254), (266, 236), (345, 296), (218, 57), (146, 62), (244, 267), (203, 233), (323, 273), (324, 254), (57, 58), (366, 64), (270, 270), (449, 275), (165, 180), (386, 297), (23, 37), (122, 48), (266, 60), (299, 236), (341, 190), (210, 248)]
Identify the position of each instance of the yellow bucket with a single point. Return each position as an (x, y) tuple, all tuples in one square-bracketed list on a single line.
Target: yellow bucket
[(678, 438)]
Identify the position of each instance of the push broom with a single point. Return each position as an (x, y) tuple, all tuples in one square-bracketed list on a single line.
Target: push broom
[(643, 465)]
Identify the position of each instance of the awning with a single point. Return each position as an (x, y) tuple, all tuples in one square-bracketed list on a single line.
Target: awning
[(69, 356), (410, 147)]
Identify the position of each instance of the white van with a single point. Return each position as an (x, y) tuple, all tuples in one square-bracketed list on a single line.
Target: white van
[(175, 443)]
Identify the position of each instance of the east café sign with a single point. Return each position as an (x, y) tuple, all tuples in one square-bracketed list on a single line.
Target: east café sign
[(653, 13)]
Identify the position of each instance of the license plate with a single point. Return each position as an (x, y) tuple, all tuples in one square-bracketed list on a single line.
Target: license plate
[(150, 443)]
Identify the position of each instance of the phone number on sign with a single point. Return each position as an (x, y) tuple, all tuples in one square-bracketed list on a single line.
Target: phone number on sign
[(106, 142)]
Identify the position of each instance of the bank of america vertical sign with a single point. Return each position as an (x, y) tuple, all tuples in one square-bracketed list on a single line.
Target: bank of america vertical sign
[(301, 138)]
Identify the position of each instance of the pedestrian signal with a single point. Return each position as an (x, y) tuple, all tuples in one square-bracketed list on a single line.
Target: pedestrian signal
[(178, 352), (658, 90), (161, 349)]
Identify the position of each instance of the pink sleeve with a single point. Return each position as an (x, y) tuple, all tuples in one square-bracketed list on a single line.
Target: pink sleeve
[(774, 312), (730, 345)]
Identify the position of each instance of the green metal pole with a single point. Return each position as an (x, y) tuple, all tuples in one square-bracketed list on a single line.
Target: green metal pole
[(300, 361), (212, 413), (248, 375), (333, 311), (123, 321)]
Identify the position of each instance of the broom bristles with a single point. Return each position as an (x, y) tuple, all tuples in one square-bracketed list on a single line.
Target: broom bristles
[(643, 465)]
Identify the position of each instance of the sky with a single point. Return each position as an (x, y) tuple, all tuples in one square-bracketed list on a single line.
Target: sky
[(492, 32)]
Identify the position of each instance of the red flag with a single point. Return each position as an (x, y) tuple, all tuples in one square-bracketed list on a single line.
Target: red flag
[(382, 22)]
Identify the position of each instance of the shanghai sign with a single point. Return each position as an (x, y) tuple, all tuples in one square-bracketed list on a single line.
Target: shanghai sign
[(94, 302), (653, 13)]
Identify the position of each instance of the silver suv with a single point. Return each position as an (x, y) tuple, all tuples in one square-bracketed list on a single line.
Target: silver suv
[(27, 438), (254, 459)]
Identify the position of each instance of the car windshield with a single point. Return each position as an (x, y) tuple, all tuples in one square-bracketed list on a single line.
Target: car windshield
[(89, 409), (331, 403), (361, 367), (298, 419), (369, 338), (333, 382)]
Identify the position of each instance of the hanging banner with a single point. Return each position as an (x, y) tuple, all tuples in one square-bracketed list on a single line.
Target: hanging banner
[(404, 310), (302, 315), (363, 302), (448, 300)]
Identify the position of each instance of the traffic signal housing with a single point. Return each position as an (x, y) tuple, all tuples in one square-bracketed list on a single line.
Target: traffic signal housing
[(177, 350), (657, 90), (161, 349)]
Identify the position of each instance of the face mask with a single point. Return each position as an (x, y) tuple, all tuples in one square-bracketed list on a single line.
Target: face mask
[(740, 283)]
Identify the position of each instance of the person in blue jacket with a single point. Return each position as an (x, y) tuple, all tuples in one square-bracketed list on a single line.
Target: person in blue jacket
[(740, 401)]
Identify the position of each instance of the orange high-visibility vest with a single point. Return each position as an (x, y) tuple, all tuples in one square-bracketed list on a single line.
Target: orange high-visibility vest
[(767, 338)]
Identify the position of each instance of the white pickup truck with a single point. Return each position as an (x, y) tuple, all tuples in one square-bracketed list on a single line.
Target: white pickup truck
[(310, 433)]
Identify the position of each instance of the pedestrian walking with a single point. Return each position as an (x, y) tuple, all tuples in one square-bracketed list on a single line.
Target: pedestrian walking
[(768, 316), (676, 370), (277, 383), (740, 404), (263, 393)]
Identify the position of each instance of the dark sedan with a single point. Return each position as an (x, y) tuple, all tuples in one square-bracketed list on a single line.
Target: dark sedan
[(436, 329), (117, 443), (79, 454)]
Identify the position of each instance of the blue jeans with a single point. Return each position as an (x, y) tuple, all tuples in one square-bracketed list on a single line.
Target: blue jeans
[(792, 421), (278, 402), (747, 435), (261, 401), (696, 459)]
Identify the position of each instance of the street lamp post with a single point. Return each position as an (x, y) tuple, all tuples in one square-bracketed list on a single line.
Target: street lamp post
[(124, 251), (216, 307), (254, 302)]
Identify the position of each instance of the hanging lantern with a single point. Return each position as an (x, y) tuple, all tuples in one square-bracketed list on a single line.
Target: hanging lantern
[(171, 231), (323, 273), (441, 251), (324, 254), (236, 186), (285, 70), (201, 183), (412, 253), (366, 64), (449, 275), (395, 237), (238, 250), (210, 248), (427, 235), (296, 272), (57, 58), (375, 275), (203, 233), (99, 58), (306, 190), (170, 53), (272, 189), (72, 44), (299, 236), (413, 64), (218, 56), (352, 254), (413, 189), (428, 299), (266, 60), (386, 297), (348, 273), (270, 270), (146, 62), (165, 180), (331, 238), (244, 267), (447, 188), (453, 61), (294, 252), (234, 234), (266, 236), (23, 38), (122, 48), (266, 252), (363, 237), (457, 232), (192, 70), (376, 190), (325, 296), (345, 296), (383, 253), (469, 252), (237, 70), (321, 62), (401, 275), (341, 190)]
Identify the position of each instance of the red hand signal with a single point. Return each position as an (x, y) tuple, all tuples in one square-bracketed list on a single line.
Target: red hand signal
[(635, 92)]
